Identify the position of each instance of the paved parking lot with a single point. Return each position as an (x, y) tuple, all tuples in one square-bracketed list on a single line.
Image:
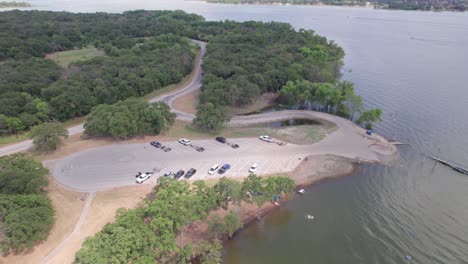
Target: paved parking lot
[(112, 166)]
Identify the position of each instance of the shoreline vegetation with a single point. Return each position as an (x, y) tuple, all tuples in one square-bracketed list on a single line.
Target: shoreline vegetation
[(5, 4), (431, 5)]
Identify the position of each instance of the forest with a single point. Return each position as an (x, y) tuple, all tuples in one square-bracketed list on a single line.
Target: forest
[(154, 231), (247, 59), (144, 52), (456, 5), (147, 50), (26, 213), (128, 118)]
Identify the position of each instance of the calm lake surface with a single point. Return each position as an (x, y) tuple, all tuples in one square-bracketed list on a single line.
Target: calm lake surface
[(413, 65)]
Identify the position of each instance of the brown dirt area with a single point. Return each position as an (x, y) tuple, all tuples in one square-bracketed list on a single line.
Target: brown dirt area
[(102, 211), (68, 205), (188, 103)]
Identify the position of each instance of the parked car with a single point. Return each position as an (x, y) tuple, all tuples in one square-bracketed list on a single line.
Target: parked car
[(234, 146), (221, 139), (167, 173), (156, 144), (166, 149), (253, 168), (190, 173), (224, 168), (179, 174), (142, 177), (266, 138), (184, 141), (213, 169)]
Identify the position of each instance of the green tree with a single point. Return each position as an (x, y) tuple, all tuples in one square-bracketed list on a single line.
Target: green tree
[(215, 225), (48, 136), (211, 252), (20, 174), (210, 117), (232, 223), (369, 117), (228, 188), (27, 220), (14, 125)]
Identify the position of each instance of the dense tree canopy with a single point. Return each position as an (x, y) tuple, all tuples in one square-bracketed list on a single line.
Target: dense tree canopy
[(246, 59), (127, 118), (148, 233), (337, 98), (26, 213), (145, 51)]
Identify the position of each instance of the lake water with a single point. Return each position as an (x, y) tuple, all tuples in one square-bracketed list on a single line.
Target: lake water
[(414, 65)]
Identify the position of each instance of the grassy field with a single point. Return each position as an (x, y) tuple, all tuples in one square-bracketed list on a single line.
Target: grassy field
[(5, 140), (64, 58), (302, 134)]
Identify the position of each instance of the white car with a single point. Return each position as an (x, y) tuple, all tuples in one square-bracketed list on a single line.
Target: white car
[(143, 177), (184, 141), (213, 169), (266, 138), (253, 168), (167, 173)]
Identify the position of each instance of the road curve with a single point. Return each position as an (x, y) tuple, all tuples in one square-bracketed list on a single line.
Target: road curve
[(194, 84)]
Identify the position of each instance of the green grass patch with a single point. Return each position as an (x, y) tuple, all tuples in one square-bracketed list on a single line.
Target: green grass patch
[(65, 58), (10, 139)]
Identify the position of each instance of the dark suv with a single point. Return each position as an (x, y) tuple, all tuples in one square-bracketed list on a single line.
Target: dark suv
[(156, 144), (179, 174), (221, 139), (190, 173)]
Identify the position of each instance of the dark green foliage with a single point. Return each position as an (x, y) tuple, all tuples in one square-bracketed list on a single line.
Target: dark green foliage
[(337, 98), (163, 56), (210, 116), (27, 220), (128, 118), (26, 215), (246, 59), (47, 136), (20, 174)]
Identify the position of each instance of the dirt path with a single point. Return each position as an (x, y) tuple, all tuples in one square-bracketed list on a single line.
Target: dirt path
[(79, 224)]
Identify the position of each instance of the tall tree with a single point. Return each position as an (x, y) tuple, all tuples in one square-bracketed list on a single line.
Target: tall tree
[(369, 117), (48, 136), (232, 223)]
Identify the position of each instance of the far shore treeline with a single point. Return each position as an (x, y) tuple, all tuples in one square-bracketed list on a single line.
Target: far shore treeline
[(456, 5)]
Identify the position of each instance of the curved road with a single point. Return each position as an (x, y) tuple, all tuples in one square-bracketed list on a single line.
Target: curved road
[(194, 84), (344, 125)]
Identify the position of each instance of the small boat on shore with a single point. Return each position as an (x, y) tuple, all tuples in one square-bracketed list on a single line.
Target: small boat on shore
[(301, 191)]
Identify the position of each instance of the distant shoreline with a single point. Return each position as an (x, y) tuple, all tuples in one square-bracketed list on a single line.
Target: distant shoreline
[(368, 6), (13, 4)]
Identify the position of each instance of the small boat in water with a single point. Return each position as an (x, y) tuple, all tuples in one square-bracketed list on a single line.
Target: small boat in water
[(301, 191)]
